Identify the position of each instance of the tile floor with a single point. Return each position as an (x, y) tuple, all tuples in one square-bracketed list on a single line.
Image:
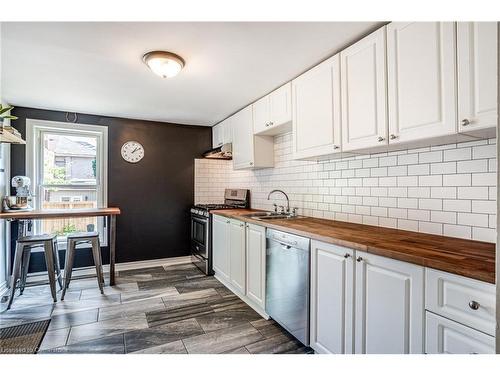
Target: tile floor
[(171, 309)]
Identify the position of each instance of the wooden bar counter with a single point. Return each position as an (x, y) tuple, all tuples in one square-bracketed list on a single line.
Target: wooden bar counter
[(111, 212)]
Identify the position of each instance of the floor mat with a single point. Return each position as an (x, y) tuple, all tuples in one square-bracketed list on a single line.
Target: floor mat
[(24, 338)]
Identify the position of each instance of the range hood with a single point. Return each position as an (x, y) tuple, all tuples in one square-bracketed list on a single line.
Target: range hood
[(224, 152)]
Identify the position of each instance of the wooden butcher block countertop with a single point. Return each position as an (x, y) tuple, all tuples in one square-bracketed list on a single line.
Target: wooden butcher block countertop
[(468, 258)]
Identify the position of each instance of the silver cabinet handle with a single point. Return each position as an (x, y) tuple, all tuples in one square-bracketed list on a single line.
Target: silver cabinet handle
[(359, 259), (347, 255), (465, 122), (393, 136), (380, 139), (474, 305)]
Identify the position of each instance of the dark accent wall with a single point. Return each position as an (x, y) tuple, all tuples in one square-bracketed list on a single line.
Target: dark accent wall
[(154, 194)]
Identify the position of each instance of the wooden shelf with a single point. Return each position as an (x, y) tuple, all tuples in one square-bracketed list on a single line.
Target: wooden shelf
[(7, 137)]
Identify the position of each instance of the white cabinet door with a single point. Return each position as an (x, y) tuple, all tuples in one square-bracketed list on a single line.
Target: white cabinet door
[(237, 256), (256, 264), (280, 105), (227, 131), (446, 336), (221, 246), (421, 80), (243, 139), (332, 298), (316, 111), (217, 135), (477, 75), (261, 115), (389, 307), (364, 96)]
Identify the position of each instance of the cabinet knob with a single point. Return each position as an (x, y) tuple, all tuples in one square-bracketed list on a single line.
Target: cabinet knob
[(242, 225), (347, 255), (380, 139), (267, 124), (271, 123), (251, 163), (335, 147), (465, 122), (474, 305), (393, 136), (359, 259), (227, 222)]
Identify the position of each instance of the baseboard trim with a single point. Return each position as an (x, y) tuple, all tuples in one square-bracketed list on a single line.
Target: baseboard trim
[(150, 263), (127, 266)]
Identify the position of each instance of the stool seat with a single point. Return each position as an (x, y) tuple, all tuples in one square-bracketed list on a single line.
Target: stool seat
[(37, 238), (82, 235)]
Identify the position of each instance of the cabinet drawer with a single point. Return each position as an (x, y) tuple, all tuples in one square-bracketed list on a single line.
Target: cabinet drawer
[(446, 336), (467, 301)]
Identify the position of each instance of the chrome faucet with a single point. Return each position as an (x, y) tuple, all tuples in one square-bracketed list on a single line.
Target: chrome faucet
[(287, 200)]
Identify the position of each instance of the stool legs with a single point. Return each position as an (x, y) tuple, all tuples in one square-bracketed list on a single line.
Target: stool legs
[(96, 252), (68, 266), (49, 261), (57, 264), (24, 270), (15, 272)]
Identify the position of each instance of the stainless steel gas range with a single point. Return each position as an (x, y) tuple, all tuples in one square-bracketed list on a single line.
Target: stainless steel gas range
[(201, 226)]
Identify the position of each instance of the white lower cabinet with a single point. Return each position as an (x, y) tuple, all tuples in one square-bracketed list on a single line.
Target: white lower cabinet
[(220, 246), (389, 306), (364, 303), (256, 264), (332, 293), (239, 259), (237, 269), (444, 336)]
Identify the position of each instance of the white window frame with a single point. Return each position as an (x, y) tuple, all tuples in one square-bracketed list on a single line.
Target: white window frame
[(34, 168)]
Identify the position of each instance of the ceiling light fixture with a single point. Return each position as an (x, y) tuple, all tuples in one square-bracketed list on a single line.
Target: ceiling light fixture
[(163, 63)]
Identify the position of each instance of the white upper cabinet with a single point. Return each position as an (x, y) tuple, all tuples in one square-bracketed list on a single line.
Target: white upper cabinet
[(421, 80), (222, 133), (316, 111), (250, 151), (477, 75), (217, 135), (272, 114), (389, 306), (364, 96), (332, 294)]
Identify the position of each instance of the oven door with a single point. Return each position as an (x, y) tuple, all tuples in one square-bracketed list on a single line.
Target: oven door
[(199, 236)]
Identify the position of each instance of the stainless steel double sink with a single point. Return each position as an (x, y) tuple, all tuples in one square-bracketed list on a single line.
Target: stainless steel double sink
[(269, 215)]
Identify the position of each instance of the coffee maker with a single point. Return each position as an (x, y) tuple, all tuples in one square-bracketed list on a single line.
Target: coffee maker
[(22, 200)]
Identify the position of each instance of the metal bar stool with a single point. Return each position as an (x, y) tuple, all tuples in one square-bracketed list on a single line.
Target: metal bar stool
[(22, 255), (73, 240)]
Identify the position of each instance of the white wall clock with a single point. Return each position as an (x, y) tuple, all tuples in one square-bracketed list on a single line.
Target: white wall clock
[(132, 151)]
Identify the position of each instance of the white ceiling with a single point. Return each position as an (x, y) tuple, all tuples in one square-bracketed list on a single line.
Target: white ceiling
[(97, 68)]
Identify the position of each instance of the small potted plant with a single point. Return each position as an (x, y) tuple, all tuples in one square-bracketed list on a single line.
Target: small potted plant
[(4, 113)]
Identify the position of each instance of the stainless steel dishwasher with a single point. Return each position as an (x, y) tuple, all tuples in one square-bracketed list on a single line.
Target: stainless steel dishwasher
[(287, 282)]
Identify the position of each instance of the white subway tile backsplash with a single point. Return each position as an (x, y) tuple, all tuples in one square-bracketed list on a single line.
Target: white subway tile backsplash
[(447, 189)]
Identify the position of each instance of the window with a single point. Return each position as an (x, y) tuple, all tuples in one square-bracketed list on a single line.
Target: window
[(67, 166)]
